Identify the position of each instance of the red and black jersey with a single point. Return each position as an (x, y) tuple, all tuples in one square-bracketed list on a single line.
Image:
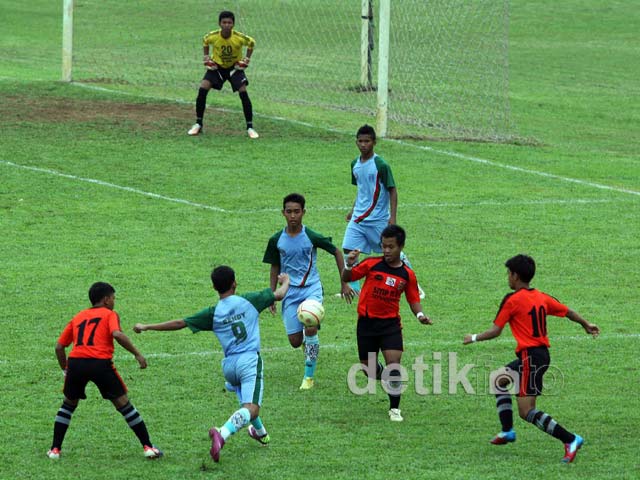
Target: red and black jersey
[(383, 287), (91, 332), (526, 311)]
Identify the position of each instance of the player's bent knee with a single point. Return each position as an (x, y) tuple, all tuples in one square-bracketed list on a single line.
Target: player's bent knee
[(120, 401), (254, 410), (295, 339)]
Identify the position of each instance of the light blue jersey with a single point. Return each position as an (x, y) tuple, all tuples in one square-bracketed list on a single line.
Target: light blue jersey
[(234, 321), (373, 178), (296, 255)]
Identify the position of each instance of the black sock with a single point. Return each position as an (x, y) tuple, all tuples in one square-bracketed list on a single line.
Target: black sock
[(62, 421), (247, 108), (548, 425), (135, 422), (395, 383), (505, 411), (201, 104)]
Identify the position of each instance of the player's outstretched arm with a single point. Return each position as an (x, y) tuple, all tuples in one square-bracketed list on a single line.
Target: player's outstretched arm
[(283, 282), (164, 326), (345, 289), (128, 345), (416, 308), (590, 328), (349, 262), (493, 332)]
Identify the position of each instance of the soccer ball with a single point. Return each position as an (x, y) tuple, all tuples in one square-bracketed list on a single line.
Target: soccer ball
[(310, 313)]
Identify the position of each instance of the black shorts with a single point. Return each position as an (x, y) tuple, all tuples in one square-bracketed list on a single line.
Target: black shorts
[(376, 335), (103, 373), (236, 78), (531, 365)]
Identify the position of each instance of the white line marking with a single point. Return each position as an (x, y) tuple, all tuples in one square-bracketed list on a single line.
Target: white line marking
[(326, 208), (430, 345), (448, 153), (113, 185)]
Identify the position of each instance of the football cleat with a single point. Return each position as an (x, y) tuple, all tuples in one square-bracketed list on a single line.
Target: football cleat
[(54, 454), (152, 452), (217, 442), (503, 438), (307, 383), (252, 133), (571, 449), (394, 415), (195, 130), (263, 440)]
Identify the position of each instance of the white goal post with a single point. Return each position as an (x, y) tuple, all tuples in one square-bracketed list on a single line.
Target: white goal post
[(440, 70)]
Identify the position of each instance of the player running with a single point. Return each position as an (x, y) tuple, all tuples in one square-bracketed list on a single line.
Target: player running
[(234, 321), (379, 327), (526, 310)]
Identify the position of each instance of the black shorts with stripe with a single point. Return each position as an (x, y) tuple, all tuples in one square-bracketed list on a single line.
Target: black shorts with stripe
[(531, 365), (375, 335), (101, 372)]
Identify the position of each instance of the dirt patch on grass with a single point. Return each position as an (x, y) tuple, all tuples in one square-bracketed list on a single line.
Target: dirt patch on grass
[(57, 110)]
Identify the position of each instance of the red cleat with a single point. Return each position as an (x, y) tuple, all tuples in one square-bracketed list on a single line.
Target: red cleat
[(504, 437), (217, 442), (571, 449)]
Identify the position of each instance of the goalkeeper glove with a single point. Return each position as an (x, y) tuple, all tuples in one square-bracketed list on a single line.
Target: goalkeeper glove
[(242, 64), (210, 64)]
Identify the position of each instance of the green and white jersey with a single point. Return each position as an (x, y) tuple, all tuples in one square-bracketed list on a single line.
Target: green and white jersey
[(234, 320)]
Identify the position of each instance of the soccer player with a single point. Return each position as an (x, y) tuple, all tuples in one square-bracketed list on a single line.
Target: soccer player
[(379, 326), (526, 310), (293, 250), (376, 200), (234, 321), (225, 62), (92, 332)]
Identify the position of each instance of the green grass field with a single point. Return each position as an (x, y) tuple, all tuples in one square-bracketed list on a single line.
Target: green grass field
[(96, 185)]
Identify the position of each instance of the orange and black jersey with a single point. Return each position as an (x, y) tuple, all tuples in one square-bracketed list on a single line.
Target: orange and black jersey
[(526, 311), (383, 287), (91, 332)]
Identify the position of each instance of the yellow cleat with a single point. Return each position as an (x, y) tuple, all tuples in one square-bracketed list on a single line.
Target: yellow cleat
[(307, 383)]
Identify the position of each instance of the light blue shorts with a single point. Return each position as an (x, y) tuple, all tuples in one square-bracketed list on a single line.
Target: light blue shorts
[(365, 238), (295, 296), (244, 370)]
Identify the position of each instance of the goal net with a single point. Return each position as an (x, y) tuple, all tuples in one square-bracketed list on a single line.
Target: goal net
[(448, 59)]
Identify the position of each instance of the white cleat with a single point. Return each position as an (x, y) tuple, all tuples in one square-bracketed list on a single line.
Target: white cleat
[(252, 133), (54, 454), (394, 415), (195, 130)]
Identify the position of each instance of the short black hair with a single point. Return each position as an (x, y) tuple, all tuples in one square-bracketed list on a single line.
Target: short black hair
[(366, 130), (523, 265), (294, 198), (222, 278), (99, 291), (226, 14), (395, 231)]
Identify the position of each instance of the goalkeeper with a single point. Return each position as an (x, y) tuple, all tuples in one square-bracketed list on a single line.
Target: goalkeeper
[(224, 60)]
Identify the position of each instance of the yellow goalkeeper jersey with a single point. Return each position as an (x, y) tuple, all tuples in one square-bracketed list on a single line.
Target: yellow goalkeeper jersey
[(227, 51)]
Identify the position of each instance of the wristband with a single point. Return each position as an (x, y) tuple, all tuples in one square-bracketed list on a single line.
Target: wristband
[(474, 338), (420, 315)]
